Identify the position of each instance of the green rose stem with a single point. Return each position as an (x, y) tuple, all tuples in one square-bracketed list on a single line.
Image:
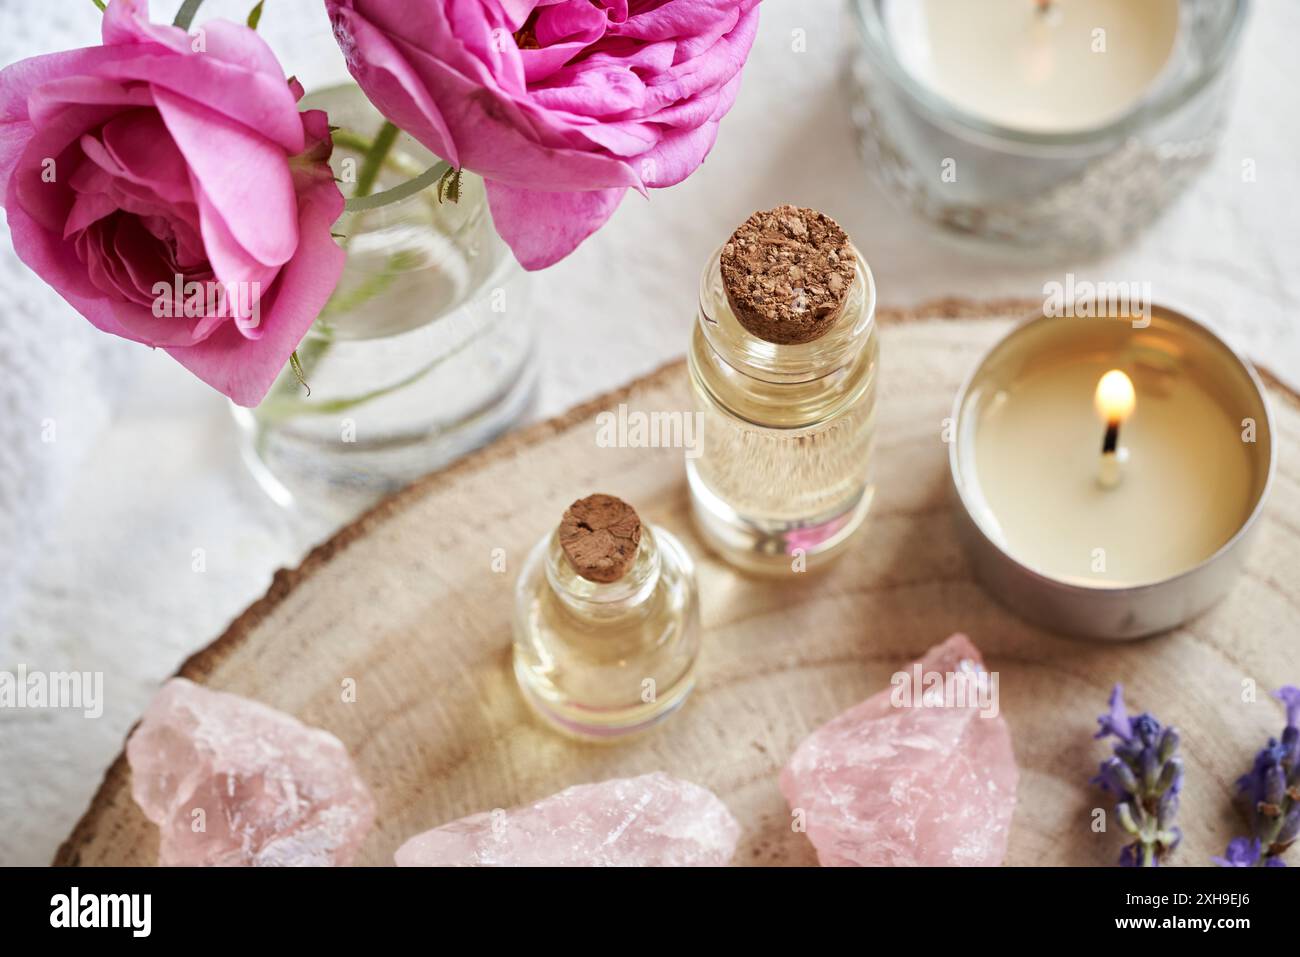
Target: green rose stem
[(374, 159), (185, 16)]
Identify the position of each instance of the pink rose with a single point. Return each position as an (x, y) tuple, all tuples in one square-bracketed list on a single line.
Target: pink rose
[(168, 188), (560, 105)]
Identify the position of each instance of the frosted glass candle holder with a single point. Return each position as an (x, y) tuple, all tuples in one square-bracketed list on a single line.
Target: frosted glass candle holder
[(1055, 192)]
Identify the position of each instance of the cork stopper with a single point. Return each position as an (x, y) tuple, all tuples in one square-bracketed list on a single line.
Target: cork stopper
[(787, 272), (600, 535)]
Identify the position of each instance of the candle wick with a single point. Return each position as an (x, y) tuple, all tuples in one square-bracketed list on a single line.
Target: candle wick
[(1048, 12), (1110, 471), (1111, 443)]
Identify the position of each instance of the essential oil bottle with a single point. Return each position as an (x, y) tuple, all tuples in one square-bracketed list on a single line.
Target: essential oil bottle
[(783, 364), (607, 622)]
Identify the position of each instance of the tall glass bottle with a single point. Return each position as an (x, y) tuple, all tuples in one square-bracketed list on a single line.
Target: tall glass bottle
[(607, 623), (782, 480)]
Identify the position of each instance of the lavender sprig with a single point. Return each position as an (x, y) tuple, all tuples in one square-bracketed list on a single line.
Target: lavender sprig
[(1270, 796), (1145, 774)]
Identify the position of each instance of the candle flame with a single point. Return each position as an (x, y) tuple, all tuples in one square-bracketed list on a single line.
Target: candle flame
[(1115, 398)]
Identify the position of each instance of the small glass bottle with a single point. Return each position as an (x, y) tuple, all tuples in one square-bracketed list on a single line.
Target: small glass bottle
[(784, 371), (607, 623)]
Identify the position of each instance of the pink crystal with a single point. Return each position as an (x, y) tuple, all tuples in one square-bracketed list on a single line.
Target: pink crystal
[(272, 791), (928, 782), (649, 821)]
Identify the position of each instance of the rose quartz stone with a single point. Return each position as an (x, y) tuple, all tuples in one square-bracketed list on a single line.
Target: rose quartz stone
[(273, 792), (649, 821), (908, 785)]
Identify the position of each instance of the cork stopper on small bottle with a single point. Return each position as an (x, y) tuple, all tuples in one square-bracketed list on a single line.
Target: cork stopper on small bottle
[(600, 535), (787, 272)]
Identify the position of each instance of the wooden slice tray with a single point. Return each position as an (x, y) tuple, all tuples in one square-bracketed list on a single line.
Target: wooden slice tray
[(406, 602)]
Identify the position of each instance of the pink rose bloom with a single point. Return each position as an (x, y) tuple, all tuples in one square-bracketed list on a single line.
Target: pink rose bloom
[(168, 188), (561, 105)]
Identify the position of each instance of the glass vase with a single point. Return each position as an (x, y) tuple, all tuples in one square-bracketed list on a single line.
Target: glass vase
[(424, 352)]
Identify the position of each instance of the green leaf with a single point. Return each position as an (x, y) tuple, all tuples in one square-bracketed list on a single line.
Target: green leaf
[(185, 16), (255, 15), (100, 4), (296, 365)]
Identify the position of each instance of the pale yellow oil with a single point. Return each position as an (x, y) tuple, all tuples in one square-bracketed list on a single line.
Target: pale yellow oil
[(783, 472), (600, 661)]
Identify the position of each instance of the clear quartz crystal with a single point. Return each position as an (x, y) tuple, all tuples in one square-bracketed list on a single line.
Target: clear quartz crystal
[(598, 661), (782, 477)]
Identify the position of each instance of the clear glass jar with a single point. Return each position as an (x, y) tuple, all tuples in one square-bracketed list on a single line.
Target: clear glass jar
[(598, 661), (1047, 193), (424, 352), (782, 478)]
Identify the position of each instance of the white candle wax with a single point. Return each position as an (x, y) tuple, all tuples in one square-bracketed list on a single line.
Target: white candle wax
[(1192, 476), (1074, 66)]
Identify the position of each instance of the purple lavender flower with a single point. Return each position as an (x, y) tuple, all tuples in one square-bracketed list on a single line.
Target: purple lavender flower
[(1246, 852), (1241, 852), (1146, 775), (1289, 695), (1270, 796)]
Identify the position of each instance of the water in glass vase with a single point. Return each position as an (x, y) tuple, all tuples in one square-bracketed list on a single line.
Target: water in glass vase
[(424, 352)]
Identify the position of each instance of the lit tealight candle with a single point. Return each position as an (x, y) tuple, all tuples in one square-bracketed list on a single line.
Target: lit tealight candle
[(1057, 535), (1114, 401)]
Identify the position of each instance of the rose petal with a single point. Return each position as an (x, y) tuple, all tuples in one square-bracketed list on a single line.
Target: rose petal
[(231, 263), (47, 101), (542, 63), (542, 228), (699, 22), (126, 23), (718, 64), (147, 156), (19, 80), (390, 83), (242, 176), (578, 21), (56, 261), (104, 266), (517, 143), (607, 90), (244, 369), (88, 208), (257, 100)]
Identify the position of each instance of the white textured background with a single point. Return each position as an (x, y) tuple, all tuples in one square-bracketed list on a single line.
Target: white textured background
[(109, 585)]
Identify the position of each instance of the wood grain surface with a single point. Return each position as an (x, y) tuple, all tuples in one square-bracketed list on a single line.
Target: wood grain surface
[(406, 602)]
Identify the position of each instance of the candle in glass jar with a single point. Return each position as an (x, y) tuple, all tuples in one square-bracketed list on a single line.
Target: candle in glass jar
[(1057, 67)]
